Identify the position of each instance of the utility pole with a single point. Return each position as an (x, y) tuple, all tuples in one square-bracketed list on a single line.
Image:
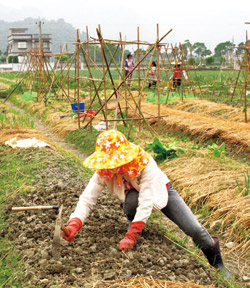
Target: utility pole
[(39, 23)]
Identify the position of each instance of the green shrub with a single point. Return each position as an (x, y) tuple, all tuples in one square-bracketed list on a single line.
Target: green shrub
[(13, 59)]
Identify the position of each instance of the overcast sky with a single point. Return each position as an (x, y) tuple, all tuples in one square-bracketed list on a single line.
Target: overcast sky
[(210, 21)]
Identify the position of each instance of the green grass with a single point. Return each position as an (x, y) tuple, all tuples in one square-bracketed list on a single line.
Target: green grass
[(84, 139), (16, 175), (10, 75), (16, 120), (18, 170)]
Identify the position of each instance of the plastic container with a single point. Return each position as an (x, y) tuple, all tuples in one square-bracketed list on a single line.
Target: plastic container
[(74, 107)]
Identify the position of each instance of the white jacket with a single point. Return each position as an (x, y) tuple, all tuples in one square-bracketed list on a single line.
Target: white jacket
[(151, 185)]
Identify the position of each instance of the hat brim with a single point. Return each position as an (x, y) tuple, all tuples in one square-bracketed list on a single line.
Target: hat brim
[(101, 160)]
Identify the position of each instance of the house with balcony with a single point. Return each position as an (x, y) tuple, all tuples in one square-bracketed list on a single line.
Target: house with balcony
[(20, 42)]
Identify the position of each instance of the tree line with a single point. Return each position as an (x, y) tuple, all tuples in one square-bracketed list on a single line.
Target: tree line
[(196, 52)]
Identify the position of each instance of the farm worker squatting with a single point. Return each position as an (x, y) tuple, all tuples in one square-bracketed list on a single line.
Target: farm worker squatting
[(133, 176)]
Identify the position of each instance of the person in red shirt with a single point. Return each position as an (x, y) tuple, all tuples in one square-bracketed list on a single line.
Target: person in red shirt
[(178, 72)]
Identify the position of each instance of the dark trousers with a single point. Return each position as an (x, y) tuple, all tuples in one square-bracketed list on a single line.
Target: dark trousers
[(153, 83), (177, 82), (178, 212)]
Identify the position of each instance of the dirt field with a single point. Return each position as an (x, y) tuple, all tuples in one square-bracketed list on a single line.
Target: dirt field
[(94, 255)]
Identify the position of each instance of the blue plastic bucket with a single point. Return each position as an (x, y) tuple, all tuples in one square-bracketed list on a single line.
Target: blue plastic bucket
[(74, 107)]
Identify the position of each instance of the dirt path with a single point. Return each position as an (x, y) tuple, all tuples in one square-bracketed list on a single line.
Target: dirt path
[(50, 135)]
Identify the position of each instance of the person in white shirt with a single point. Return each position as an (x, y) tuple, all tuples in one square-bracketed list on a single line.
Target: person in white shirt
[(152, 75), (129, 65), (133, 176)]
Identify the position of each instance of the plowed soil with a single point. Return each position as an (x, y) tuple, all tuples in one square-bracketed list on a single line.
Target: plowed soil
[(94, 254)]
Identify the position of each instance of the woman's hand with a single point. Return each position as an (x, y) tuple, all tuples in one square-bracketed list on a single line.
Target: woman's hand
[(69, 232), (126, 244), (129, 240)]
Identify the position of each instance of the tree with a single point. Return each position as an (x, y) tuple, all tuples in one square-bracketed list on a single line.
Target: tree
[(210, 60), (12, 59), (201, 50), (187, 46), (191, 61), (207, 52), (223, 48), (241, 50)]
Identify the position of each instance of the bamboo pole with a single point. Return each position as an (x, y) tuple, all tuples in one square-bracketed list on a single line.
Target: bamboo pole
[(104, 80), (96, 89), (138, 71), (77, 80), (117, 98), (124, 80), (90, 83), (68, 78), (245, 77), (93, 82), (158, 77), (113, 84)]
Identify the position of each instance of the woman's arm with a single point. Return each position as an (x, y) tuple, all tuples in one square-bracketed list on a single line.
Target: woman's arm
[(143, 211), (146, 196), (88, 198)]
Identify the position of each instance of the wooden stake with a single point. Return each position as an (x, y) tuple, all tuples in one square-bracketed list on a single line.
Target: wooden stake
[(104, 79), (158, 79), (90, 83), (77, 80), (139, 72)]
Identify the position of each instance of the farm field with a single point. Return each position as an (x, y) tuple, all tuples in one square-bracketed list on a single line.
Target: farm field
[(211, 173)]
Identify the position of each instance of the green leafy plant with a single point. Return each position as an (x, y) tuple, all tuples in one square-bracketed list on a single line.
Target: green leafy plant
[(218, 150), (245, 188), (163, 152)]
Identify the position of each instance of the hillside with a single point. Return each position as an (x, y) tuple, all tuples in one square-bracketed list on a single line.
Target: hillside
[(61, 31)]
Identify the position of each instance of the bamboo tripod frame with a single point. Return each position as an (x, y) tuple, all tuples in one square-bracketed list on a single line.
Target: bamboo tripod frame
[(40, 76)]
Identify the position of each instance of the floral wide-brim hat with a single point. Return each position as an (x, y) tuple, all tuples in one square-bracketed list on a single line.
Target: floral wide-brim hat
[(112, 150)]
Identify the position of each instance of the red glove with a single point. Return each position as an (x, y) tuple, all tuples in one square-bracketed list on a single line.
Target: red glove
[(129, 240), (74, 225)]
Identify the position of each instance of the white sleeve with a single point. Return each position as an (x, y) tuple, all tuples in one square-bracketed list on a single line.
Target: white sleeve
[(146, 196), (89, 197), (185, 74)]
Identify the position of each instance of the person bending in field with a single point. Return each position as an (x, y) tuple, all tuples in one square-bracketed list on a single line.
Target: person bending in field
[(133, 176), (129, 65), (152, 76)]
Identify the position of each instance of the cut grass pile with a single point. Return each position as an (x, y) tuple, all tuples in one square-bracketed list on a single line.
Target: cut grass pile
[(209, 185), (202, 126), (50, 114), (4, 86), (210, 108), (146, 282)]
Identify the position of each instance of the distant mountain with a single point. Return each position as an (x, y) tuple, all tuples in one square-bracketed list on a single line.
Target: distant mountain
[(62, 32)]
